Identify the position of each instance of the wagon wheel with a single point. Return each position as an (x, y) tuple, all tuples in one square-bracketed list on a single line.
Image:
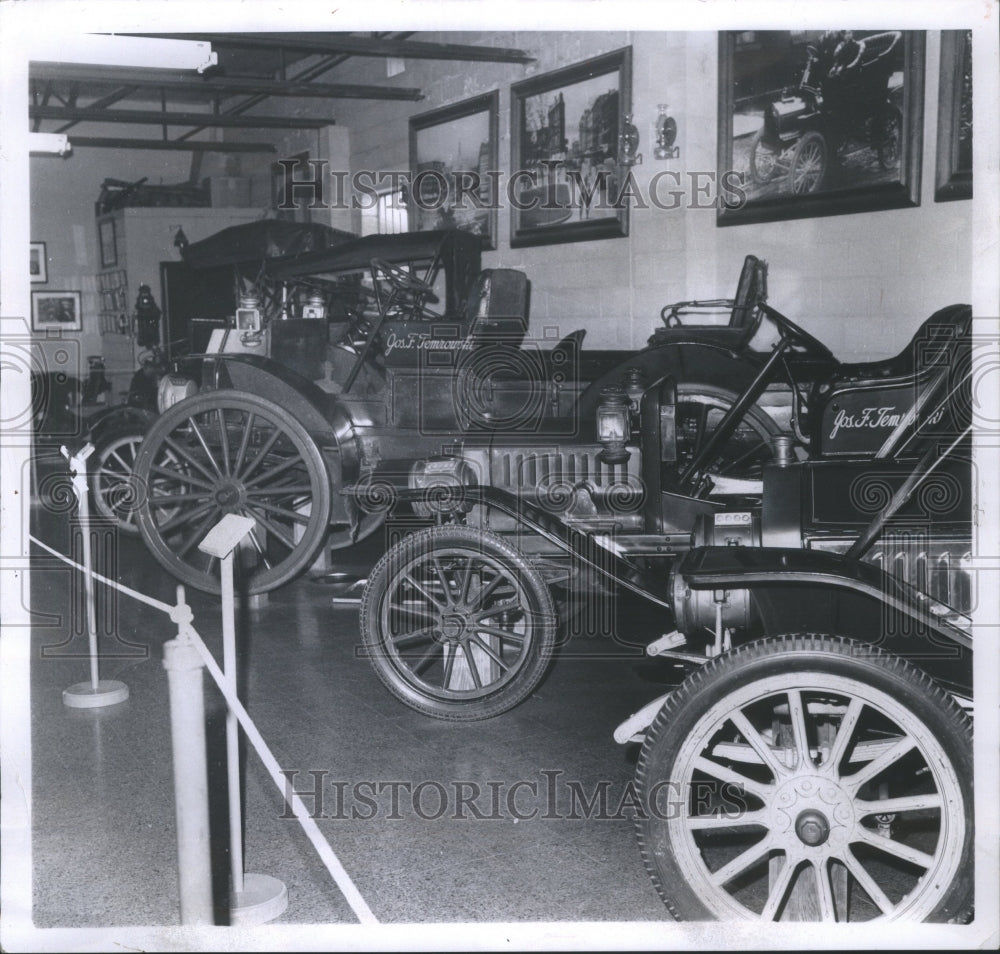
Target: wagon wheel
[(113, 493), (890, 135), (764, 159), (807, 168), (232, 452), (809, 778), (458, 624), (700, 408)]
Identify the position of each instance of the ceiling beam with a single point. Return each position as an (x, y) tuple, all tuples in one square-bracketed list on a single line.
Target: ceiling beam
[(173, 145), (214, 86), (363, 46), (159, 118)]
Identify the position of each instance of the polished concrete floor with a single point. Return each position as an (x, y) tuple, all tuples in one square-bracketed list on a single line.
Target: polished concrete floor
[(521, 847)]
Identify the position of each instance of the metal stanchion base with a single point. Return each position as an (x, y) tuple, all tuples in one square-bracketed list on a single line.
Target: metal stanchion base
[(83, 695), (257, 601), (262, 899)]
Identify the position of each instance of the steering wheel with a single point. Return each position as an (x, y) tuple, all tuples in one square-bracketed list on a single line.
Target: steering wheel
[(406, 282), (796, 335)]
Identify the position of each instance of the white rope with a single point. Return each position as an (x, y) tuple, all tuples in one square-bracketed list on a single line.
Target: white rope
[(308, 823), (135, 594), (326, 853)]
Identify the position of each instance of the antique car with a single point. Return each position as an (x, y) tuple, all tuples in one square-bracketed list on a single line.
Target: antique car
[(816, 762), (334, 361), (292, 408), (846, 100)]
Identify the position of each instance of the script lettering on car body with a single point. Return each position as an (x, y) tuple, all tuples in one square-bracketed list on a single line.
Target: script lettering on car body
[(873, 418)]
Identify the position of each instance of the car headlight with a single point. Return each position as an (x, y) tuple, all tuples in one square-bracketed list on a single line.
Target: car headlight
[(173, 388), (442, 480)]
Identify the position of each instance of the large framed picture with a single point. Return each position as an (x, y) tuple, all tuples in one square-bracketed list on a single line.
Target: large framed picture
[(953, 178), (38, 266), (453, 162), (56, 310), (819, 123), (565, 179), (108, 242)]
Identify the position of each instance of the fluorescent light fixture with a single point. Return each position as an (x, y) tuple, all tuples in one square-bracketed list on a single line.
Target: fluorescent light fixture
[(112, 50), (49, 144)]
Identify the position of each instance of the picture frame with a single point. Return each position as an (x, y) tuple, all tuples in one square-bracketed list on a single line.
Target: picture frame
[(953, 177), (108, 241), (815, 123), (566, 188), (453, 161), (56, 311), (38, 266)]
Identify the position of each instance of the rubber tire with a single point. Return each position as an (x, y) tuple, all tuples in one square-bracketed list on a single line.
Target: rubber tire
[(812, 137), (316, 531), (540, 652), (786, 655), (112, 441)]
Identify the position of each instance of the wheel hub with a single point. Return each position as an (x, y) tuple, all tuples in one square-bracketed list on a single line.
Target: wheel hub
[(228, 495), (453, 627), (811, 811), (812, 827)]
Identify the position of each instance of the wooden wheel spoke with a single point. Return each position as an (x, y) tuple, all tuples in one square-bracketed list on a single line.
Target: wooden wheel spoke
[(261, 455), (196, 430), (758, 743), (480, 597), (473, 668), (199, 534), (445, 588), (293, 515), (272, 528), (184, 452), (502, 633), (424, 661), (423, 633), (880, 764), (724, 774), (496, 609), (485, 647), (182, 478), (449, 667), (778, 891), (175, 499), (739, 864), (244, 444), (184, 517), (279, 490), (224, 441), (423, 591), (845, 732), (273, 471)]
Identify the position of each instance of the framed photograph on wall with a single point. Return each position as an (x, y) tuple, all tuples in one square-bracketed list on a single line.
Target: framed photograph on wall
[(56, 311), (565, 177), (38, 266), (954, 138), (108, 242), (453, 158), (818, 122)]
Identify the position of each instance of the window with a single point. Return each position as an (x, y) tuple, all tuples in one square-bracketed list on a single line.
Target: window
[(388, 216)]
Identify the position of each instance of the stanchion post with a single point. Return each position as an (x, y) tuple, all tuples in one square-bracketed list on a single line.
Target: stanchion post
[(190, 757), (98, 692), (255, 898)]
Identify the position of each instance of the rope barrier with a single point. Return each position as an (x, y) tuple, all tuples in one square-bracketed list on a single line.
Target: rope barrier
[(181, 614)]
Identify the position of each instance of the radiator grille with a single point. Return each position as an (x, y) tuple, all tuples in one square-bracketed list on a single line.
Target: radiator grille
[(939, 568), (526, 470)]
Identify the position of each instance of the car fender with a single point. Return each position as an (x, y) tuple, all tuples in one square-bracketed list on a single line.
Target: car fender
[(819, 592)]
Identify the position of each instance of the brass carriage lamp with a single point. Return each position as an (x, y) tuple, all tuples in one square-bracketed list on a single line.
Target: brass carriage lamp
[(613, 426), (666, 135), (628, 143)]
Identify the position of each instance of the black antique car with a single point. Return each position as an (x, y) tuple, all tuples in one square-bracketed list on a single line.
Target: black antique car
[(336, 370), (334, 361), (816, 763), (845, 101)]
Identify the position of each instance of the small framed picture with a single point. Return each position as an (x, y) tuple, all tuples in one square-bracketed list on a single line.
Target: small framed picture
[(39, 263), (109, 246), (56, 310)]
